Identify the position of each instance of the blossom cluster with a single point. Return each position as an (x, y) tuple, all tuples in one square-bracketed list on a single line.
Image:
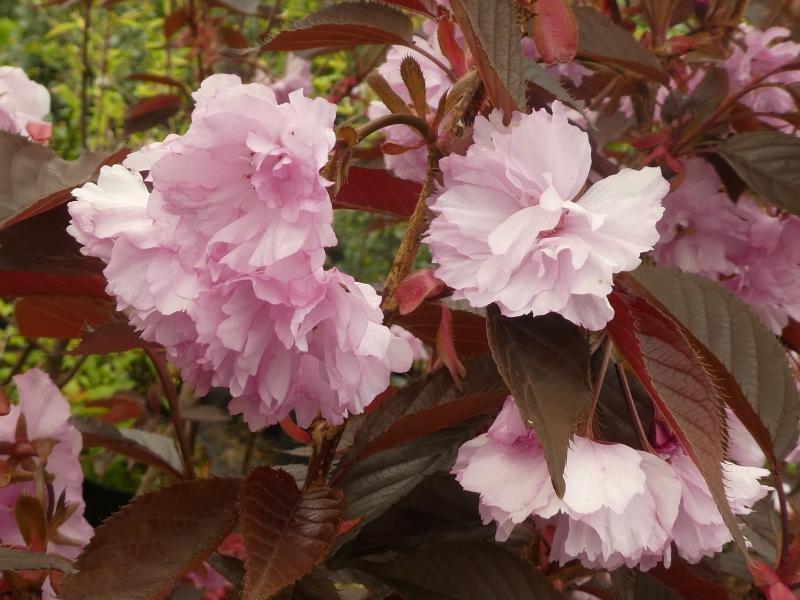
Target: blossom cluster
[(35, 433), (511, 227), (752, 250), (214, 243), (622, 506), (23, 105)]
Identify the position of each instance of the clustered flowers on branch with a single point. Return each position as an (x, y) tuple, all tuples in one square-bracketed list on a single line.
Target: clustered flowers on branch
[(215, 245)]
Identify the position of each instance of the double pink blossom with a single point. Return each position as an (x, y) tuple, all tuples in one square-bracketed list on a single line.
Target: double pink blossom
[(754, 251), (23, 105), (621, 507), (510, 224), (215, 243)]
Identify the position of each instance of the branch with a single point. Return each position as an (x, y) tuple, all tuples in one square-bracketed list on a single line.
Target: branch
[(174, 408)]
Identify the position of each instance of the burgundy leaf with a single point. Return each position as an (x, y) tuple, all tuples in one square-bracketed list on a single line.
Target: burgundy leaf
[(151, 111), (58, 316), (115, 336), (344, 25), (469, 329), (376, 190), (143, 550), (286, 531)]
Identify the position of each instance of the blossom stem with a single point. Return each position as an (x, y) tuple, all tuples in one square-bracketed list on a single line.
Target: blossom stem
[(409, 245), (608, 347), (324, 439), (412, 121), (171, 393), (637, 422)]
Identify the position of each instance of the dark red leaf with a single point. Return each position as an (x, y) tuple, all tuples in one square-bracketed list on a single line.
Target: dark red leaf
[(416, 288), (426, 7), (555, 31), (143, 550), (492, 34), (469, 329), (58, 316), (692, 581), (685, 394), (286, 532), (174, 21), (232, 38), (545, 363), (344, 25), (97, 434), (294, 431), (17, 559), (429, 405), (122, 406), (116, 336), (376, 190), (449, 44), (152, 111), (154, 78), (34, 179), (605, 42)]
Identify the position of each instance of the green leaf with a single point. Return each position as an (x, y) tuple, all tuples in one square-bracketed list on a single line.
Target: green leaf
[(344, 25), (143, 550), (602, 41), (746, 349), (545, 363), (769, 162), (492, 34), (467, 571), (286, 532)]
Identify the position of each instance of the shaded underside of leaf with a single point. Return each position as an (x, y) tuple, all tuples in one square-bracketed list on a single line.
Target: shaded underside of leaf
[(286, 532), (143, 550), (545, 363), (769, 161), (377, 190), (344, 25), (20, 559), (601, 40), (467, 571), (492, 34)]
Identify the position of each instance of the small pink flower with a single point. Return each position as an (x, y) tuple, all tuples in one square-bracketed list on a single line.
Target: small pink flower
[(572, 71), (511, 227), (296, 76), (701, 229), (23, 105), (760, 53)]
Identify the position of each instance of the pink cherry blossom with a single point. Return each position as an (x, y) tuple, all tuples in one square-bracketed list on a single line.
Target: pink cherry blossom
[(46, 413), (701, 231), (699, 530), (618, 509), (23, 105), (573, 71), (760, 53), (742, 447), (418, 348), (217, 254), (511, 227), (296, 76)]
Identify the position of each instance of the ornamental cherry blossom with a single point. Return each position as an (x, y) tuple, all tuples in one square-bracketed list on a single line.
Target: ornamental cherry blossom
[(511, 227), (218, 256), (23, 105), (751, 250), (619, 506)]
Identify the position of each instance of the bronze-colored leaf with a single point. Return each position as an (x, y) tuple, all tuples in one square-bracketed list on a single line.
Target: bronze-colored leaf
[(287, 532), (143, 550)]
